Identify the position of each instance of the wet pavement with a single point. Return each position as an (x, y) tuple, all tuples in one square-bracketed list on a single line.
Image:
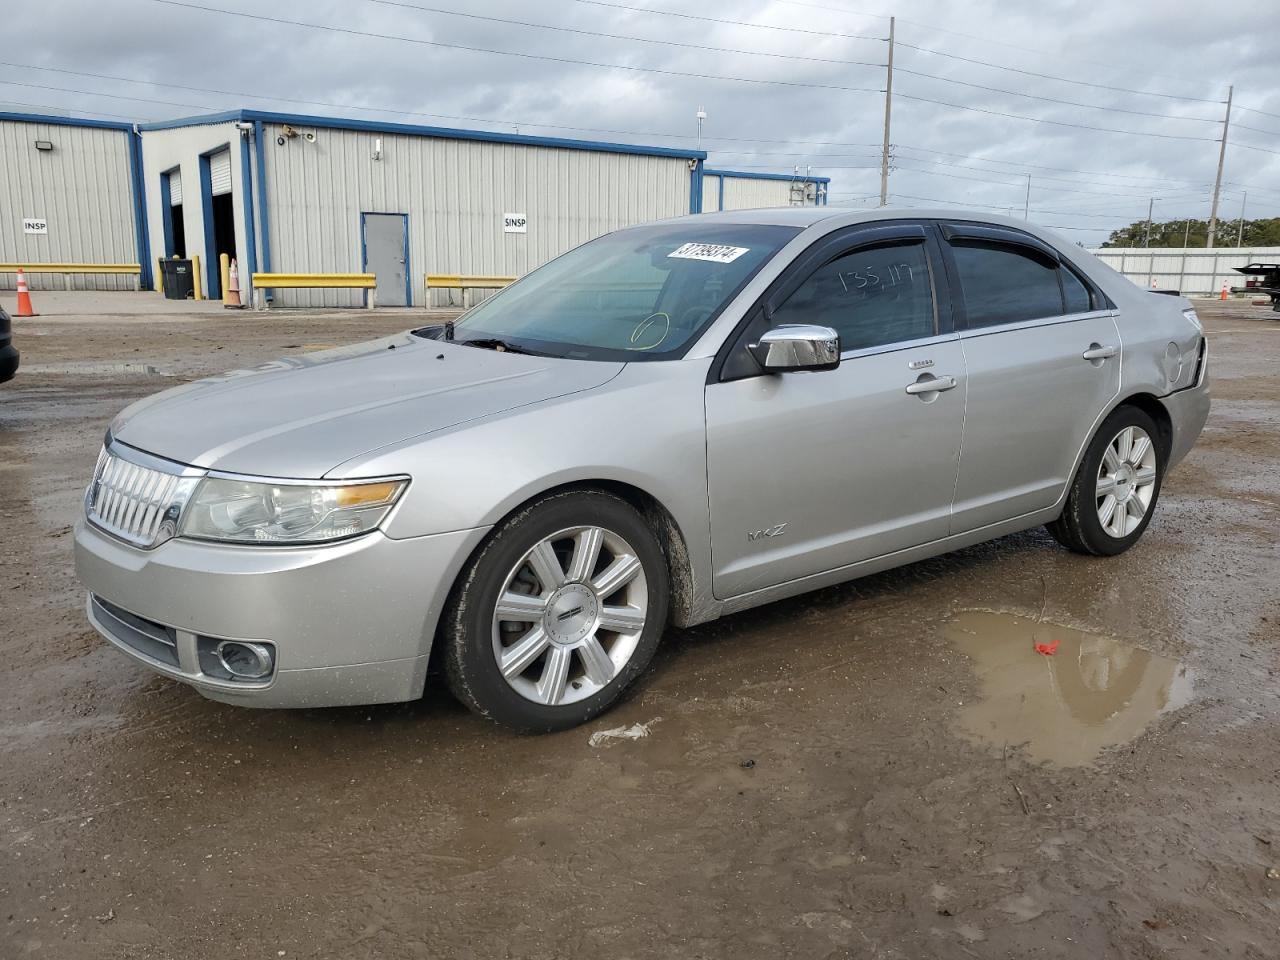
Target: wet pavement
[(882, 769)]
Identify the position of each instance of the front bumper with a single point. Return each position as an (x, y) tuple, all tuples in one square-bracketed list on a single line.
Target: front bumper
[(352, 622)]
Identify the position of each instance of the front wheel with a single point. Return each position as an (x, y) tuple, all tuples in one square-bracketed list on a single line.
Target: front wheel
[(558, 613), (1115, 490)]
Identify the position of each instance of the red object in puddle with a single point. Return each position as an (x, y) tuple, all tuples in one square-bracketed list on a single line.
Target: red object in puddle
[(1048, 649)]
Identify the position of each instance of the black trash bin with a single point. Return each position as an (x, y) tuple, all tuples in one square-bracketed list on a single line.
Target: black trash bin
[(178, 280)]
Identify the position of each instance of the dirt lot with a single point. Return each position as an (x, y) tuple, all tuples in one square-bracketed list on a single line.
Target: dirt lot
[(883, 769)]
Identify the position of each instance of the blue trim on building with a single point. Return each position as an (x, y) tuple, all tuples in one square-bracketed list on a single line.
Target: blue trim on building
[(250, 231), (451, 133), (744, 175), (264, 208), (166, 212), (695, 187), (142, 233), (213, 276), (66, 121), (720, 180)]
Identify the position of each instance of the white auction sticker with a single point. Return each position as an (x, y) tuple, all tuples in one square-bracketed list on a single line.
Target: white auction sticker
[(715, 252)]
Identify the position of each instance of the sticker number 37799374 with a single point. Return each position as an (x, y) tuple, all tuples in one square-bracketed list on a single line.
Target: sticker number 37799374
[(715, 252)]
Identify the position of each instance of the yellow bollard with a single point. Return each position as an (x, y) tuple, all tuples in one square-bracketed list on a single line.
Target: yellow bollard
[(195, 276), (224, 271), (159, 284)]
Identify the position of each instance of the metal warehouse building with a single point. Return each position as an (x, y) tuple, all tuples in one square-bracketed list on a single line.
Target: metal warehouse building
[(734, 190), (71, 193), (301, 194)]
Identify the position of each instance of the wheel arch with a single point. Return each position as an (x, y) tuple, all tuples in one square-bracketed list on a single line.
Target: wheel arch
[(671, 539), (1143, 400)]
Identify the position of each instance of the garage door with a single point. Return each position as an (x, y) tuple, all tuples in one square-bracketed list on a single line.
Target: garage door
[(175, 188), (220, 172)]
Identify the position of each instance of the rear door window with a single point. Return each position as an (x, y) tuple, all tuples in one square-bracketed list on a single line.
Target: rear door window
[(1005, 283), (1075, 295)]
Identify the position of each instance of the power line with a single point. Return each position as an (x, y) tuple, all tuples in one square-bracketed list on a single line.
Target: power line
[(1044, 76), (112, 96), (1019, 116), (731, 23), (1038, 176), (1033, 96), (1274, 116), (1250, 146), (51, 106), (509, 53), (619, 36), (1269, 133), (1037, 166)]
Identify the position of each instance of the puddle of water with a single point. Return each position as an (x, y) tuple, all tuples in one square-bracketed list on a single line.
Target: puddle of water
[(1094, 692)]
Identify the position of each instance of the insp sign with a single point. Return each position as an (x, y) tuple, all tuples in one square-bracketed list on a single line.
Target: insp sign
[(514, 223)]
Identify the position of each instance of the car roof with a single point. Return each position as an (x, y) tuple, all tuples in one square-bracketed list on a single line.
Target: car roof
[(806, 216)]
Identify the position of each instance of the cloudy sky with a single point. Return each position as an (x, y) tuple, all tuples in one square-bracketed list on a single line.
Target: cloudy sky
[(1105, 105)]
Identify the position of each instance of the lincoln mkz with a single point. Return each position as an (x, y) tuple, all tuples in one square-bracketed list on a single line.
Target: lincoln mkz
[(665, 425)]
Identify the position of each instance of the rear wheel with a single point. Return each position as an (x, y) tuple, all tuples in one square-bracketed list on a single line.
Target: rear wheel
[(558, 613), (1116, 488)]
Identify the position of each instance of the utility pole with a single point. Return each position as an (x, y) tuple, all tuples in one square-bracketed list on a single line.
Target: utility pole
[(701, 115), (1240, 231), (1150, 203), (1026, 204), (1222, 159), (888, 106), (1186, 236)]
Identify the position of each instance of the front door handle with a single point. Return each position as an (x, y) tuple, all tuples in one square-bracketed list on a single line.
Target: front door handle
[(1098, 352), (930, 384)]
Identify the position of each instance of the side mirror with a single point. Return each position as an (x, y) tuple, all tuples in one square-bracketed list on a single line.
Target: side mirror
[(797, 346)]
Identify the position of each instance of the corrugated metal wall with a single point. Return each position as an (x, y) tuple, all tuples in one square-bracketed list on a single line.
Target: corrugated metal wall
[(455, 193), (710, 193), (1191, 270), (741, 193), (84, 190)]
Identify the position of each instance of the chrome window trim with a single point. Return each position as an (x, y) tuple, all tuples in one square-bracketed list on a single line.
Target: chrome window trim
[(897, 346), (971, 332)]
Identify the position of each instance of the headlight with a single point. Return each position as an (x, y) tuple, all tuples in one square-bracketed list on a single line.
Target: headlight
[(243, 511), (1190, 314)]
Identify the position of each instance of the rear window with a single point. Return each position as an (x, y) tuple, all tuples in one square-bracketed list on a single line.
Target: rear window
[(1006, 284)]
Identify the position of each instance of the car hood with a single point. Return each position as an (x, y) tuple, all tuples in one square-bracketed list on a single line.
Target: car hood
[(301, 416)]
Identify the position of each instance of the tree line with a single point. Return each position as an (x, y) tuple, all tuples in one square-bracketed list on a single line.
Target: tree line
[(1195, 233)]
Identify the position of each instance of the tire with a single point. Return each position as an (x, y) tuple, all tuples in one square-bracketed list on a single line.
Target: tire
[(586, 638), (1136, 487)]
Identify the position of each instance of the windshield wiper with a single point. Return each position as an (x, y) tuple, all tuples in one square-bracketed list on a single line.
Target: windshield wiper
[(495, 343)]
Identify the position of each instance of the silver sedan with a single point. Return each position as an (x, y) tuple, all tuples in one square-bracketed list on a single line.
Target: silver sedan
[(667, 424)]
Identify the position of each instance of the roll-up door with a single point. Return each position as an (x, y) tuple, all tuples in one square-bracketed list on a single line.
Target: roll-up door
[(220, 172), (175, 188)]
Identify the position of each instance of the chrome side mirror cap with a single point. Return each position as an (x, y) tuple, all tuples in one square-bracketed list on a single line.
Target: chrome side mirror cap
[(797, 346)]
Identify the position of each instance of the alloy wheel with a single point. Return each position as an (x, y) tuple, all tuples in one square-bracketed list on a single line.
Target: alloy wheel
[(1126, 481), (570, 615)]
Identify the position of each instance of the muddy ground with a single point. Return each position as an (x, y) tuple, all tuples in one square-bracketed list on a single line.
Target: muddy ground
[(882, 769)]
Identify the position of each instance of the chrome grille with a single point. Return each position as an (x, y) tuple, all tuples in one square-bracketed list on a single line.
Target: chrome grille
[(130, 500)]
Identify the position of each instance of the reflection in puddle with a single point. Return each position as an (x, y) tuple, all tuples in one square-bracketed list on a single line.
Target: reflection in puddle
[(1093, 693)]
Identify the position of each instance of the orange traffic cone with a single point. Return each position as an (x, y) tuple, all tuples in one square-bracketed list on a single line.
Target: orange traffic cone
[(24, 296), (232, 300), (1224, 291)]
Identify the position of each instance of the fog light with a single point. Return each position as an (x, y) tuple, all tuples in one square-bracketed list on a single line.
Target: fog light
[(245, 661)]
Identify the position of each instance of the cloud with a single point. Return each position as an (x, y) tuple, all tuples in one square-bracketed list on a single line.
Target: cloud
[(1102, 179)]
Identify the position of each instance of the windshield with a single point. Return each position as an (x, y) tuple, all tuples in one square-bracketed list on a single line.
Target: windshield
[(643, 293)]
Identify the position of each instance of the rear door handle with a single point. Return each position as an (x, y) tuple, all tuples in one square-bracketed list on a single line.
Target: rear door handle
[(1099, 352), (931, 385)]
